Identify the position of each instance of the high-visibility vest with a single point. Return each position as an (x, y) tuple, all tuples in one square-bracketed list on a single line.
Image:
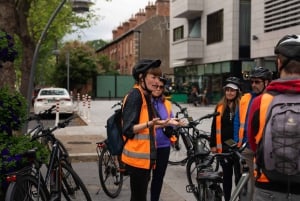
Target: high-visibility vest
[(218, 129), (168, 106), (136, 151), (266, 99), (243, 107)]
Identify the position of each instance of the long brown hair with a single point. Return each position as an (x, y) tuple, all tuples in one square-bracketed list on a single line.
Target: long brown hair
[(224, 102)]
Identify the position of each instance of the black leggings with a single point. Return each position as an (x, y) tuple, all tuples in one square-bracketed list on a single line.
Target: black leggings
[(229, 166), (159, 172), (139, 179)]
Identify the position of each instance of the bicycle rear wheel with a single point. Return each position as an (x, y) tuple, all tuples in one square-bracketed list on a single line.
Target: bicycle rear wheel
[(111, 178), (72, 186), (178, 152), (26, 188)]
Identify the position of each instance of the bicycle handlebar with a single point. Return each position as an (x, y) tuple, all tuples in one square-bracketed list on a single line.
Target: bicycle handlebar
[(42, 114), (46, 132), (234, 150), (194, 123), (118, 103)]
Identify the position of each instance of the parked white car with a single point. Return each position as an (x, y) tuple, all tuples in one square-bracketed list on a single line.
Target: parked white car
[(48, 97)]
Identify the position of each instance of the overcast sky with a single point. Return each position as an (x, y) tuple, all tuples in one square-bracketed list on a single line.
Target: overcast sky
[(112, 14)]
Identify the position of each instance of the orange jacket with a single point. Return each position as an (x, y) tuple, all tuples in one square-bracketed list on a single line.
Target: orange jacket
[(243, 107), (266, 99), (218, 129), (136, 151)]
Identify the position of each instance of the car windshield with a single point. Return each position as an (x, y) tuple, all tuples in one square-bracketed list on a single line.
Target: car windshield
[(52, 92)]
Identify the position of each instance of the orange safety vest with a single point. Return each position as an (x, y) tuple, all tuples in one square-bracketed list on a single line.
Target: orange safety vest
[(136, 151), (168, 106), (243, 107), (218, 129), (266, 99)]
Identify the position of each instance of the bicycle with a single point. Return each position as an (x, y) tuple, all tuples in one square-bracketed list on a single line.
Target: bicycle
[(61, 182), (111, 172), (191, 147), (209, 180)]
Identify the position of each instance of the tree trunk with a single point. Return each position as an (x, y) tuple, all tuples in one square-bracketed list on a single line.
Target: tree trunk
[(7, 75), (13, 19)]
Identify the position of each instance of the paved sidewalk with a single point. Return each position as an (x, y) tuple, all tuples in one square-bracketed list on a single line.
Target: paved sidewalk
[(81, 144)]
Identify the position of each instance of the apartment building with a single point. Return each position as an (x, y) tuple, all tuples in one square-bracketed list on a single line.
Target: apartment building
[(144, 35), (211, 40)]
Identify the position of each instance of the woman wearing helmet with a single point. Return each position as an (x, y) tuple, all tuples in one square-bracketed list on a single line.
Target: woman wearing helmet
[(222, 130), (139, 152)]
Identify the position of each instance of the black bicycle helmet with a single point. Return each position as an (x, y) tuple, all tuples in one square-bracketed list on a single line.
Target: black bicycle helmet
[(260, 72), (289, 46), (143, 66), (232, 82), (163, 79)]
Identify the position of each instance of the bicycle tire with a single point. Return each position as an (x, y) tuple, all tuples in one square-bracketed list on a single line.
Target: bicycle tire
[(72, 186), (111, 179), (178, 152), (26, 189), (192, 171)]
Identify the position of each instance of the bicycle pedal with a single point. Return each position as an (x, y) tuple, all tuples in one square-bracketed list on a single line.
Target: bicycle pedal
[(190, 188)]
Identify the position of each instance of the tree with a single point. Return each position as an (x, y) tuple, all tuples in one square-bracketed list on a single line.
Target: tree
[(107, 65), (25, 21), (82, 65)]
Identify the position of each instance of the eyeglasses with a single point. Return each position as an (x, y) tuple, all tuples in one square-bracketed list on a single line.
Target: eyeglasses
[(160, 87), (256, 81)]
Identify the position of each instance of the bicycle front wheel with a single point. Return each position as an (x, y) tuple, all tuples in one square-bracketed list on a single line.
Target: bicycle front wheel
[(178, 152), (26, 188), (72, 186), (111, 178)]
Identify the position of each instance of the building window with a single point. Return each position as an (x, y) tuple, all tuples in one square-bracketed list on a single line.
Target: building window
[(178, 33), (195, 28), (215, 24)]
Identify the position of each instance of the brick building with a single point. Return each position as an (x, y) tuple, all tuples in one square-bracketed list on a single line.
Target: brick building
[(144, 35)]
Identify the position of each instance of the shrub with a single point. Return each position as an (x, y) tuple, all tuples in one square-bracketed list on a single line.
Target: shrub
[(12, 116)]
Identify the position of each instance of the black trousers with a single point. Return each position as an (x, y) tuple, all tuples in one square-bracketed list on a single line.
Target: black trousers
[(229, 166), (159, 172), (139, 179)]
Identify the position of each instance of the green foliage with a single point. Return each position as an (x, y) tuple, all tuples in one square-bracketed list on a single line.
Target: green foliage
[(82, 65), (7, 50), (96, 44), (12, 115), (12, 110), (108, 66)]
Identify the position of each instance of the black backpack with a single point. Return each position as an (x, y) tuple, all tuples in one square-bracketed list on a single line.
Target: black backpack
[(114, 140), (279, 150)]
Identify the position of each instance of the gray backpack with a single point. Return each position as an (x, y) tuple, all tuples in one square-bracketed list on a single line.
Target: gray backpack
[(280, 145)]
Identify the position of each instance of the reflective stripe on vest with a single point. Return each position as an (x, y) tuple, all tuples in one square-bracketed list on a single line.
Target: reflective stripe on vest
[(218, 129), (266, 99), (243, 107), (136, 151)]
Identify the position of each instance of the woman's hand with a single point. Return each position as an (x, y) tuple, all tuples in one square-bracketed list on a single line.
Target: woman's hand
[(176, 122)]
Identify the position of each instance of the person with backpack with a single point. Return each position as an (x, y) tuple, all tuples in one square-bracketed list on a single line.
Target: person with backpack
[(260, 78), (273, 128), (138, 117), (222, 130), (164, 136)]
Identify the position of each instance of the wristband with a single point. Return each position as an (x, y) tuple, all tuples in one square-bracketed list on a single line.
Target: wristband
[(147, 126)]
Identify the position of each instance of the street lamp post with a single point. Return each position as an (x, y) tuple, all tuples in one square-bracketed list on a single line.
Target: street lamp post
[(68, 70), (80, 6)]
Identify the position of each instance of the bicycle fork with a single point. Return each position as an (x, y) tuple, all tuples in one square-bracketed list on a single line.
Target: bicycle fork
[(243, 180)]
